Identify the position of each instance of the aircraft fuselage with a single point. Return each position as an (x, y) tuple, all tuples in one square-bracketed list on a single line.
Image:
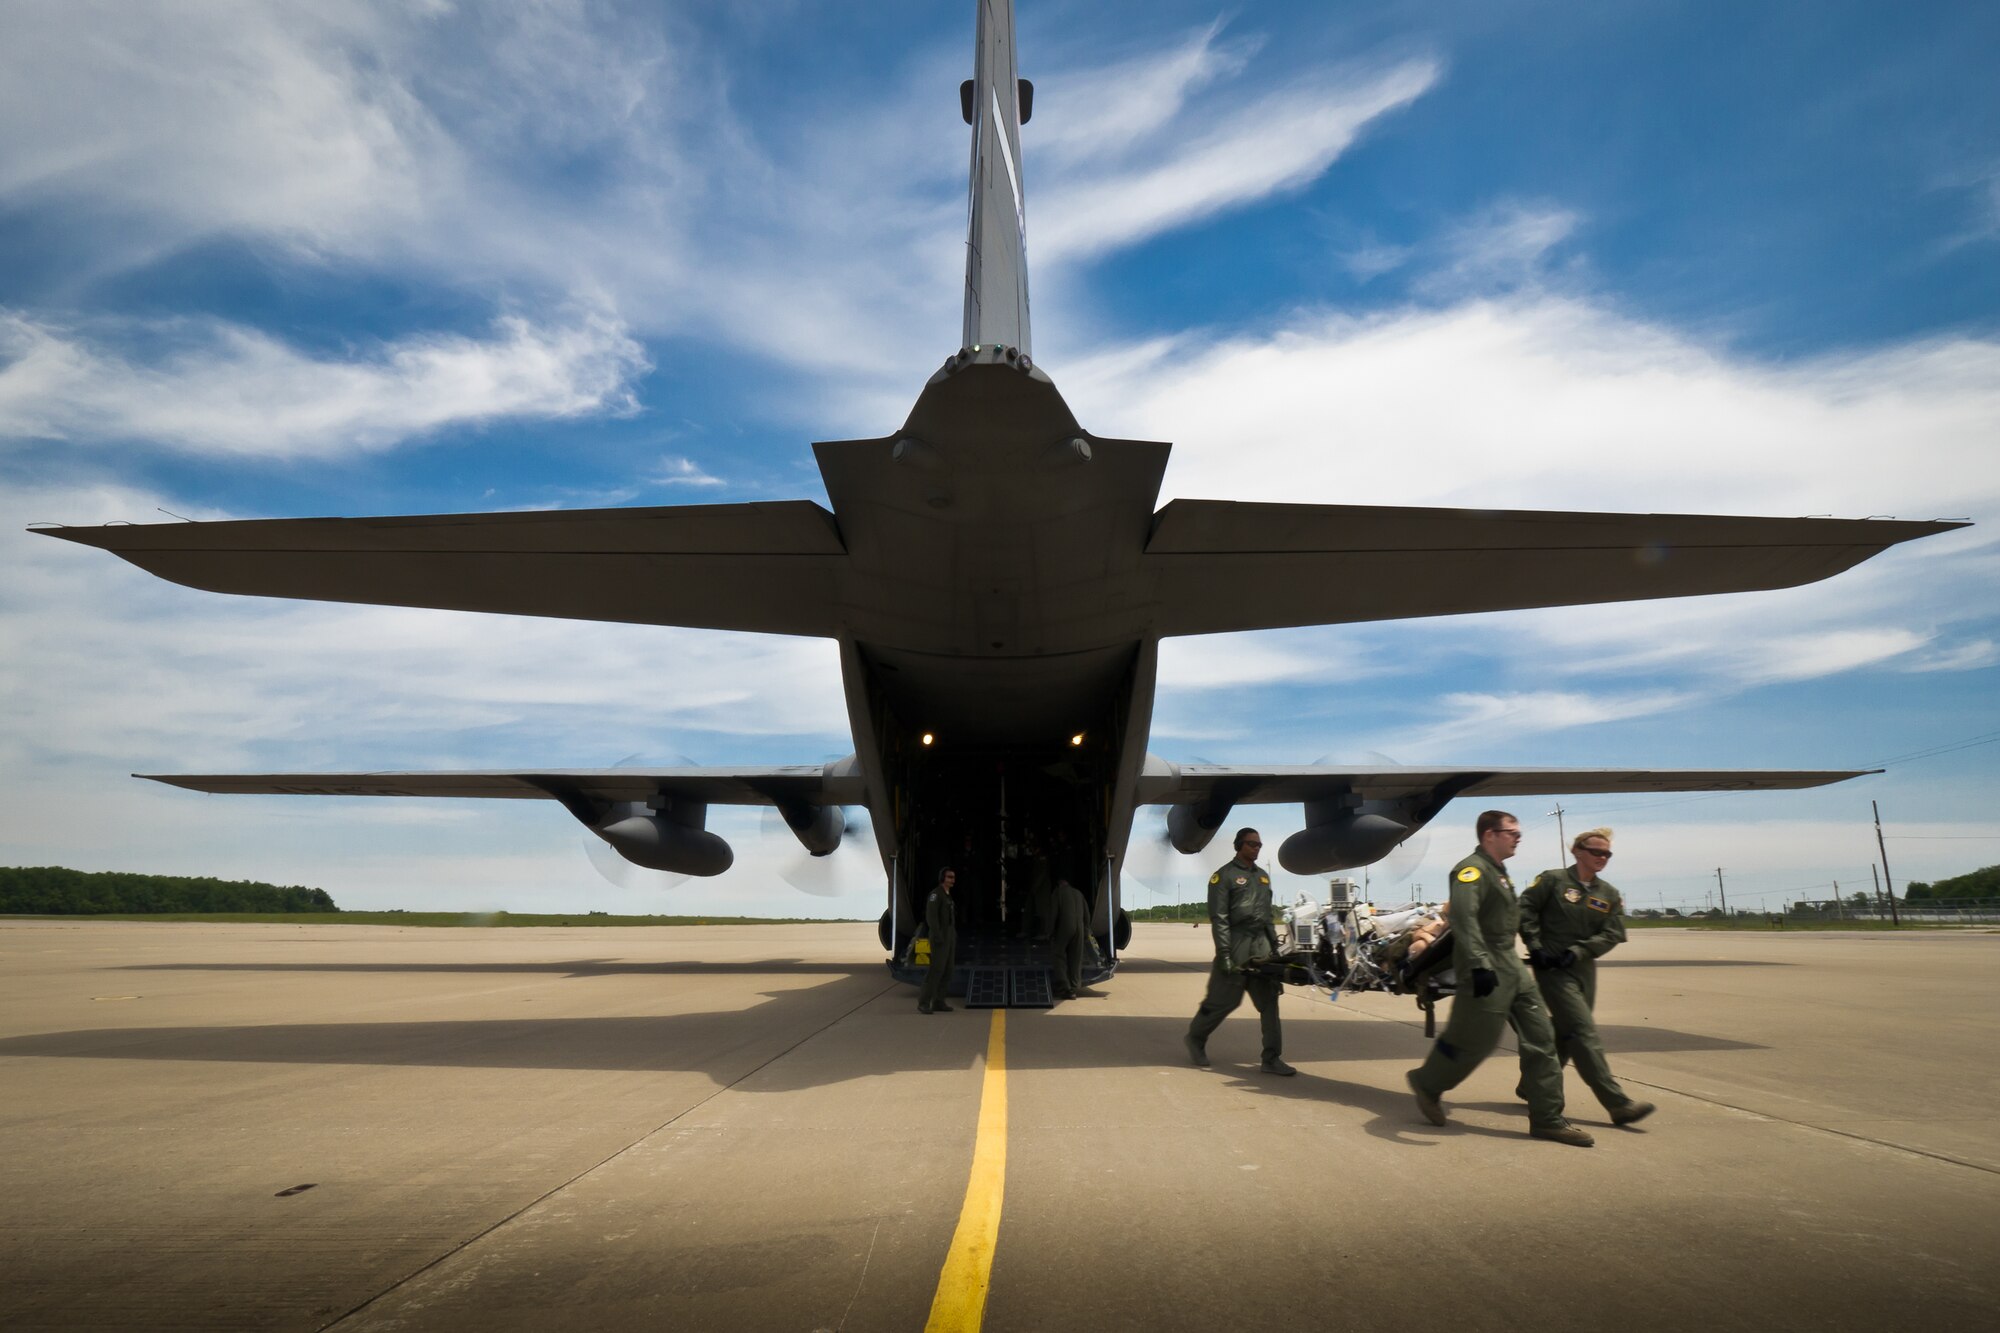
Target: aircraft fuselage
[(996, 598)]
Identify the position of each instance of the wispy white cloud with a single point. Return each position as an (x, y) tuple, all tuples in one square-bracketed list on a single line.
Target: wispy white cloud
[(1504, 248), (676, 471), (1970, 656), (225, 389), (1470, 717), (1249, 152), (289, 123), (1370, 261), (1107, 110), (1218, 661)]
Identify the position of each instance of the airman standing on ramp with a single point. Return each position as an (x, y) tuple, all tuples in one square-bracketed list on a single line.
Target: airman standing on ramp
[(1067, 940), (941, 927)]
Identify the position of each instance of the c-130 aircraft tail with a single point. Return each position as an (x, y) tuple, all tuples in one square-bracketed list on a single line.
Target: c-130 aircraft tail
[(995, 102), (998, 580)]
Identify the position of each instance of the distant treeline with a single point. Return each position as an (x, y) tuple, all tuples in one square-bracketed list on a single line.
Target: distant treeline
[(57, 891), (1975, 884), (1178, 912)]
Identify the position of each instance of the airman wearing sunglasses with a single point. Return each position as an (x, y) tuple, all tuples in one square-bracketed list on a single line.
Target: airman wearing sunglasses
[(1569, 919), (1239, 913), (1494, 992)]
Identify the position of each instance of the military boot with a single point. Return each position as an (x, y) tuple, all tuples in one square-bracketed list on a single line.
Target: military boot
[(1562, 1132), (1431, 1107), (1632, 1113)]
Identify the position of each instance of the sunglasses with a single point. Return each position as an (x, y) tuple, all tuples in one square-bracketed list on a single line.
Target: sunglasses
[(1604, 852), (1250, 842)]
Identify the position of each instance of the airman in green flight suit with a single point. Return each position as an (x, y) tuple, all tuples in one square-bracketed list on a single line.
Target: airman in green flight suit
[(1069, 939), (1570, 919), (1239, 912), (1494, 991), (941, 927)]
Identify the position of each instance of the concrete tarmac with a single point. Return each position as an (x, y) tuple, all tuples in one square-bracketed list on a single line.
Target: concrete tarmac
[(752, 1128)]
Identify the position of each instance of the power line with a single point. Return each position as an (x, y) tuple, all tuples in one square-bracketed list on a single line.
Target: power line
[(1932, 752)]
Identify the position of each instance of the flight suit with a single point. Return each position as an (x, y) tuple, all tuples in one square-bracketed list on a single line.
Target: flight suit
[(941, 925), (1239, 912), (1484, 921), (1072, 929), (1041, 897), (1560, 913)]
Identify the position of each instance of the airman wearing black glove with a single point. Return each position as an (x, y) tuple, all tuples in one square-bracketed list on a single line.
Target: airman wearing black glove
[(1495, 990)]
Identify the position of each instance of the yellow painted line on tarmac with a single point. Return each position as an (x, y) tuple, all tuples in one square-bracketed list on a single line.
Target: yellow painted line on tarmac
[(960, 1303)]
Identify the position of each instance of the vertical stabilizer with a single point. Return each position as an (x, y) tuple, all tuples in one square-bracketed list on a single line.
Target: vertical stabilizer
[(996, 260)]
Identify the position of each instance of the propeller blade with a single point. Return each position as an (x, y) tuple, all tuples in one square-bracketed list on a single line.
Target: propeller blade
[(616, 869), (826, 876), (1153, 864)]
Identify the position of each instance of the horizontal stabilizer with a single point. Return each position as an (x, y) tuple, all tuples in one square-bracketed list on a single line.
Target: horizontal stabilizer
[(770, 567), (838, 783), (1163, 783), (1221, 565)]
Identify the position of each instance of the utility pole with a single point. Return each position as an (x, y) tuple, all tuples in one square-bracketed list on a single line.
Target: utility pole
[(1895, 918), (1562, 840), (1724, 892)]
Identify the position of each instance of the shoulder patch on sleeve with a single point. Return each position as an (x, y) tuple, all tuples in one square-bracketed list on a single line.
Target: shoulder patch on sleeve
[(1263, 879), (1469, 875), (1216, 878)]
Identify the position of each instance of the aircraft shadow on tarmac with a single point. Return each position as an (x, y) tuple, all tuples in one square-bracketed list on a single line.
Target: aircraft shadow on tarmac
[(588, 967), (599, 967), (887, 1037), (1693, 962)]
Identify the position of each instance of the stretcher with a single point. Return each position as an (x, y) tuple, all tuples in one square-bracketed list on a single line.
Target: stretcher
[(1347, 947)]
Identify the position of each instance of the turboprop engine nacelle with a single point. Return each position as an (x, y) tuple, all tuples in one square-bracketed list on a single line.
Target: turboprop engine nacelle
[(1191, 825), (1342, 836), (671, 839), (817, 827)]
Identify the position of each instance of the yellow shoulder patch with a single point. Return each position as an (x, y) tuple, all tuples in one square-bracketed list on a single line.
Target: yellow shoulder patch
[(1469, 875), (1216, 878)]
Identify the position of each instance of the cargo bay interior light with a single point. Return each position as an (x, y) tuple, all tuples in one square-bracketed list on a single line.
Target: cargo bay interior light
[(928, 738), (1076, 739)]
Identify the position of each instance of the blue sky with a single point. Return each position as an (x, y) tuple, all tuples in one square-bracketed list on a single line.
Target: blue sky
[(356, 258)]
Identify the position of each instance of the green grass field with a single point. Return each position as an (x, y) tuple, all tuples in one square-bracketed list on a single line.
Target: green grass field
[(438, 919)]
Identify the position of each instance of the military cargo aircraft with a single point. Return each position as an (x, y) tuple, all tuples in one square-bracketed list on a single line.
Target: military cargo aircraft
[(998, 580)]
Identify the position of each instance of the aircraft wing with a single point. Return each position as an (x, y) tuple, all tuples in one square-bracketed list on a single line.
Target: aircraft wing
[(1220, 565), (769, 567), (838, 783), (1173, 784)]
